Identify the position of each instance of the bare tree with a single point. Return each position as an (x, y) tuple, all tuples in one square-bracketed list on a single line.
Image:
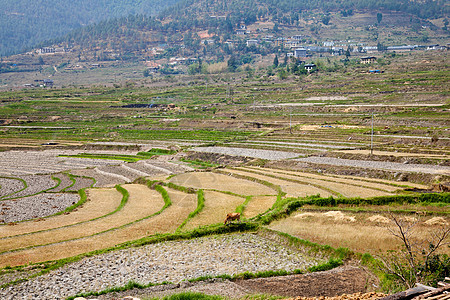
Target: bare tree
[(411, 264)]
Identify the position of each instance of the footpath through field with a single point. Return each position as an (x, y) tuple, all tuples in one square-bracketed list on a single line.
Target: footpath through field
[(167, 221)]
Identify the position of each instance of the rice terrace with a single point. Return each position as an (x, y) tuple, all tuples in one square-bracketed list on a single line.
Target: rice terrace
[(335, 183)]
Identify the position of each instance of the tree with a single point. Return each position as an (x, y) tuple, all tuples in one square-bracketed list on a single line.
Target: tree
[(275, 28), (417, 260), (379, 17), (326, 20), (381, 47), (232, 64), (275, 61)]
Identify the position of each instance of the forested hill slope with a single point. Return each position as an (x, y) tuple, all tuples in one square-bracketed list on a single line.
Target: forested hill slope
[(279, 8), (24, 23)]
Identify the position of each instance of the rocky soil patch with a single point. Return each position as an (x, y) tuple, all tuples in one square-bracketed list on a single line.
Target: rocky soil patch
[(170, 261), (35, 184), (36, 206), (254, 153), (65, 182), (347, 282), (9, 186), (81, 183), (390, 166)]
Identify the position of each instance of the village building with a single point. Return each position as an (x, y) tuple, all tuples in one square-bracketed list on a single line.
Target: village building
[(300, 52), (309, 67), (252, 42), (368, 59)]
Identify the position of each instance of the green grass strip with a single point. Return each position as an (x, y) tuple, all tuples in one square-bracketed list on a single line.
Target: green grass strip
[(240, 209), (58, 180), (158, 151), (72, 178), (188, 190), (200, 206), (165, 195)]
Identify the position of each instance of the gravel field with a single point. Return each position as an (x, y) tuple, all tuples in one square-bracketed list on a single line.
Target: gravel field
[(170, 261), (118, 170), (255, 153), (16, 163), (314, 146), (277, 155), (391, 166), (9, 186), (101, 179), (172, 167), (36, 206), (145, 168), (35, 184)]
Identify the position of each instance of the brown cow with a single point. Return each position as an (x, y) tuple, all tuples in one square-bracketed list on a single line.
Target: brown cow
[(232, 216)]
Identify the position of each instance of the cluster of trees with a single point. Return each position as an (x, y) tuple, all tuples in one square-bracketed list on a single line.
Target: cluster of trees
[(222, 17), (288, 11), (25, 23)]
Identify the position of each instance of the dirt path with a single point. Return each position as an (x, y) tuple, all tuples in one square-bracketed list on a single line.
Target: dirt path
[(344, 280)]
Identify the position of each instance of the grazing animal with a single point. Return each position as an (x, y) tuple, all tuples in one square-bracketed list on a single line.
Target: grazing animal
[(231, 217)]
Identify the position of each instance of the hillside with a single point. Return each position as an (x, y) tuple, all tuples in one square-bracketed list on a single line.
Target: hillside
[(25, 23), (212, 37)]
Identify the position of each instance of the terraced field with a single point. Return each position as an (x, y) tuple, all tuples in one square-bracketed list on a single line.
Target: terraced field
[(110, 217), (87, 210)]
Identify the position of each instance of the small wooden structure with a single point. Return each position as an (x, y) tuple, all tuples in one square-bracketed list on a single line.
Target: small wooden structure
[(423, 292)]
